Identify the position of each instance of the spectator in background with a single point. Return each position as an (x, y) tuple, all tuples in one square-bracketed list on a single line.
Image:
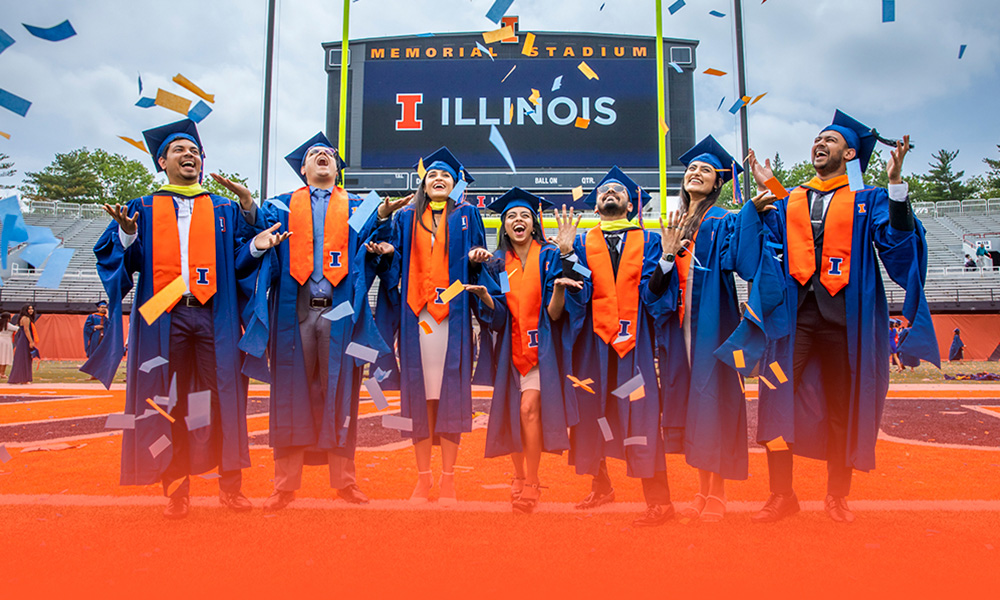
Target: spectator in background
[(7, 330), (93, 328), (970, 263), (982, 259), (956, 351), (894, 344)]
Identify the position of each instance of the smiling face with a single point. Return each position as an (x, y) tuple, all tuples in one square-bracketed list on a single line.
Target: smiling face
[(613, 201), (700, 179), (519, 224), (320, 167), (102, 310), (182, 162), (830, 153), (438, 184)]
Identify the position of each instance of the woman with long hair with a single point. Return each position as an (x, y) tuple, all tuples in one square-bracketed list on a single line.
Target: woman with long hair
[(438, 242), (25, 344), (7, 330), (528, 414)]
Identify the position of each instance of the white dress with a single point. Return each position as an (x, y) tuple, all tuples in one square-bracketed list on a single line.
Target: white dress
[(7, 345)]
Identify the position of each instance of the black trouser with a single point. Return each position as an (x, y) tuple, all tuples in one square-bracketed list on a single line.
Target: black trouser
[(655, 489), (817, 337), (192, 360)]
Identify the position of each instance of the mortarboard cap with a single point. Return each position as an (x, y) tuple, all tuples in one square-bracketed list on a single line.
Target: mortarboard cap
[(442, 159), (101, 303), (616, 175), (296, 157), (518, 197), (857, 135), (711, 152), (158, 139)]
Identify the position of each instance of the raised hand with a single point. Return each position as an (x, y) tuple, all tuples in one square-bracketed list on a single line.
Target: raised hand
[(896, 156), (761, 173), (267, 239), (567, 229), (764, 201), (479, 255), (390, 206), (566, 282), (119, 212), (671, 233), (238, 189), (379, 248)]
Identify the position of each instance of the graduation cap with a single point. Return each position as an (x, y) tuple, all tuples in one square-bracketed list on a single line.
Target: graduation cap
[(158, 139), (636, 195), (710, 151), (518, 197), (298, 156), (443, 160), (857, 135), (100, 303)]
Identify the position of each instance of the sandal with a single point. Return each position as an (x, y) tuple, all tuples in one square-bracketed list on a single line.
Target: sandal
[(447, 500), (713, 516), (694, 511), (528, 500), (516, 488), (416, 498)]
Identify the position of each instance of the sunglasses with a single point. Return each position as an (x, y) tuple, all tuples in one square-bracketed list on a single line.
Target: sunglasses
[(611, 187)]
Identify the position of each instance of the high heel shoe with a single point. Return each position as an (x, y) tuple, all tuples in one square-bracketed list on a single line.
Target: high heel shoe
[(447, 500), (528, 500), (516, 487), (420, 496)]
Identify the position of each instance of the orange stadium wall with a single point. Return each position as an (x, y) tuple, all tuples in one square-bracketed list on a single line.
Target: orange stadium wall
[(60, 337)]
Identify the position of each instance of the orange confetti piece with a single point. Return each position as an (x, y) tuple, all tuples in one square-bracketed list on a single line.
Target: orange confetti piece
[(498, 34), (586, 70), (157, 408), (766, 382), (752, 313), (714, 72), (453, 290), (185, 83), (138, 144), (776, 369), (581, 384), (529, 44), (738, 359), (511, 119), (663, 127), (421, 171), (5, 134), (757, 99), (163, 300), (533, 98), (777, 444), (746, 99), (582, 123), (577, 192), (639, 394), (743, 387), (508, 74), (774, 186), (426, 327), (173, 102)]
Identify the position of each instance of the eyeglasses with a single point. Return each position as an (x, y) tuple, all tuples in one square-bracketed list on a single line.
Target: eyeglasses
[(328, 151), (611, 187)]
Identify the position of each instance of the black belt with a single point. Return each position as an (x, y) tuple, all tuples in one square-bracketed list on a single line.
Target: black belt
[(320, 302), (190, 300)]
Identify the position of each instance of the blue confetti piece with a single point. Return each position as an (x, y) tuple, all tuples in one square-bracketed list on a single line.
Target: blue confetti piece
[(57, 33), (557, 83), (380, 374), (716, 13), (146, 103), (735, 108), (55, 269), (504, 282), (676, 67), (458, 190), (14, 103), (888, 11), (361, 214), (281, 205), (582, 270), (721, 102), (199, 111), (425, 35), (855, 180), (602, 7), (676, 6), (344, 309), (484, 50), (498, 10), (5, 41), (139, 75), (497, 140), (961, 51)]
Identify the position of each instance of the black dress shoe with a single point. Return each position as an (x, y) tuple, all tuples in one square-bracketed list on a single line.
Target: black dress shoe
[(777, 507), (836, 507), (353, 494), (177, 508), (235, 501), (278, 500), (656, 514), (595, 499)]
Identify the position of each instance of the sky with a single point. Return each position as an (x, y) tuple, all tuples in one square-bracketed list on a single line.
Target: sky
[(810, 56)]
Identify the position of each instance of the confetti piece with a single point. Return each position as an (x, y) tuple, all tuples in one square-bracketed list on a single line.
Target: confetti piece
[(533, 98), (767, 382), (716, 13), (55, 269), (426, 327), (581, 384), (361, 214), (173, 102), (752, 313), (676, 6), (721, 102), (5, 41), (635, 440), (676, 67), (163, 300), (663, 127), (582, 123), (738, 359), (458, 190), (162, 412), (577, 192), (380, 374), (626, 389), (757, 99), (639, 394), (776, 369), (714, 72), (510, 114), (139, 77), (774, 186), (777, 444), (344, 309), (199, 410), (186, 83), (586, 70), (199, 111), (378, 396), (605, 429), (347, 421), (485, 50), (855, 180), (14, 103), (159, 446), (888, 11), (497, 11), (496, 486), (120, 421), (743, 387), (508, 74), (152, 363), (582, 270), (363, 352), (504, 282), (498, 34), (210, 476), (421, 171), (56, 33), (5, 134), (529, 44), (961, 51), (279, 204), (735, 108), (497, 140), (4, 455), (601, 8), (145, 102), (557, 83), (453, 290), (746, 99), (397, 422), (138, 144)]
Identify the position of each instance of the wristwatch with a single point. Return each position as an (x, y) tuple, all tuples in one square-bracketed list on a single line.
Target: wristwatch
[(668, 257)]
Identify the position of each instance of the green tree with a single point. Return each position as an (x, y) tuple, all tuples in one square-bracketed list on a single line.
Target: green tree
[(990, 181), (6, 170), (70, 178), (942, 183), (121, 178), (214, 188)]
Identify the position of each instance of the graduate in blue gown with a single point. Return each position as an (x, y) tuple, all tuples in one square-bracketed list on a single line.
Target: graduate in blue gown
[(528, 414), (93, 328), (439, 239), (179, 231), (956, 351), (830, 338), (315, 385), (610, 329)]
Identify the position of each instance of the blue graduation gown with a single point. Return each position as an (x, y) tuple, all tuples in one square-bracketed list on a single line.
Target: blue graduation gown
[(703, 402), (91, 335), (955, 352), (799, 415), (465, 232), (905, 358), (116, 266), (296, 419), (503, 435), (592, 358)]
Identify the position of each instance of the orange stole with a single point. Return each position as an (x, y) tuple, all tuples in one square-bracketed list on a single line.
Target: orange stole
[(201, 246), (336, 236), (683, 266), (838, 230), (428, 266), (524, 301), (615, 300)]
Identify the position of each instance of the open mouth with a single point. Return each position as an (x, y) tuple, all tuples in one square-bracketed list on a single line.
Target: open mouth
[(820, 153), (439, 186), (188, 164), (519, 229)]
